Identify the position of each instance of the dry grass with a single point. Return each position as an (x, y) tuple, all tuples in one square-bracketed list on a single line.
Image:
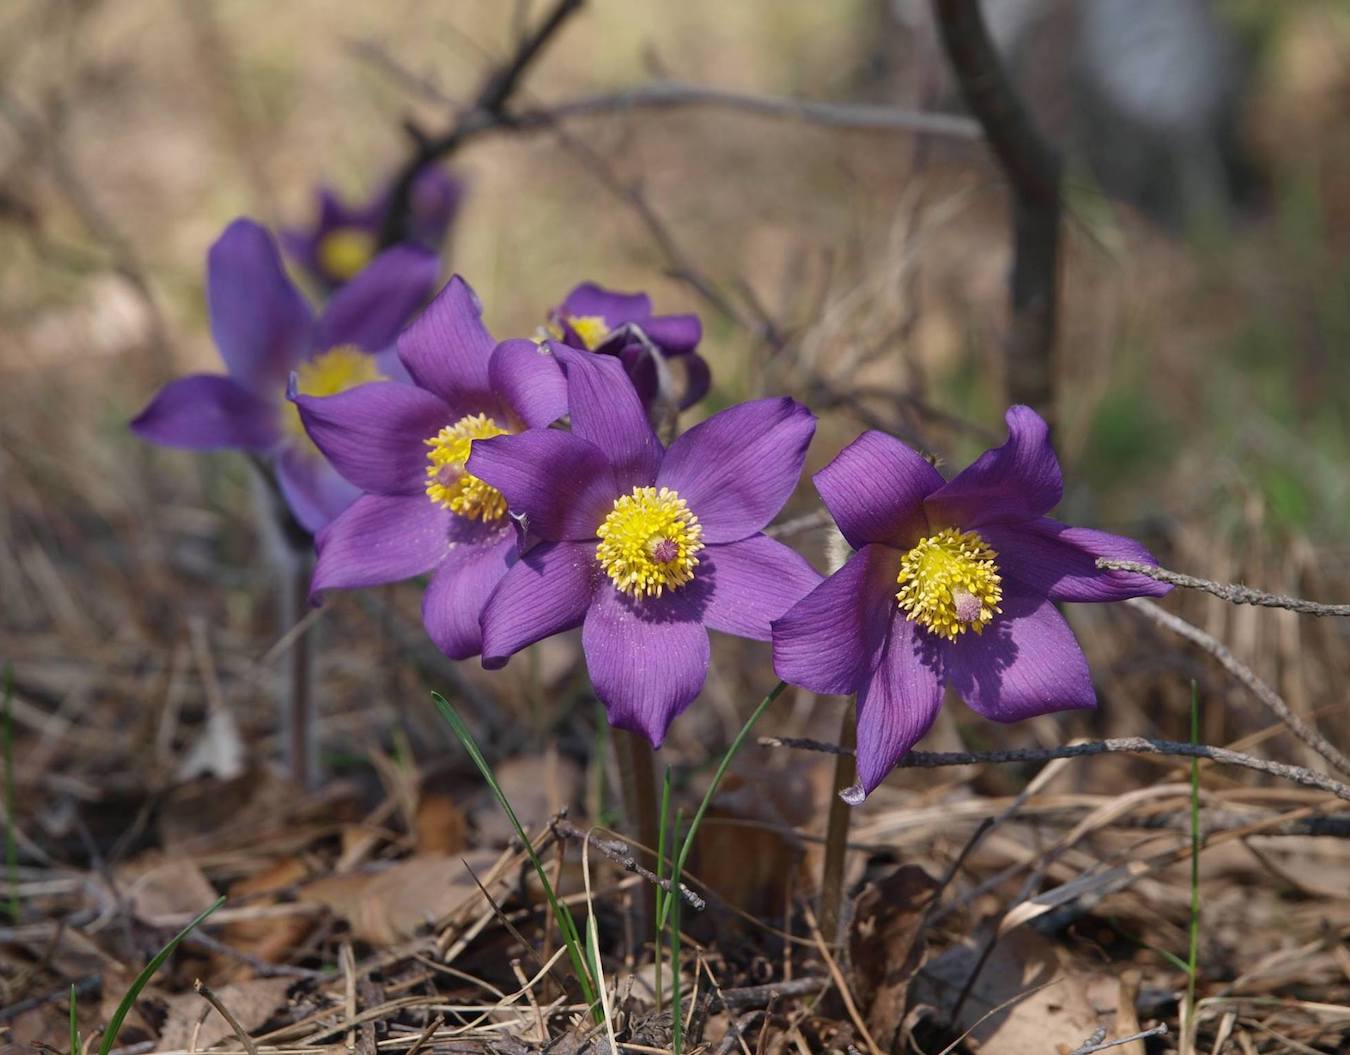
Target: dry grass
[(1201, 411)]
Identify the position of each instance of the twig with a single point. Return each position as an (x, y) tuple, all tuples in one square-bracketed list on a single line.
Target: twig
[(1137, 745), (761, 995), (1098, 1041), (669, 95), (487, 111), (1263, 692), (1033, 172), (840, 983), (620, 854), (1233, 593), (210, 997)]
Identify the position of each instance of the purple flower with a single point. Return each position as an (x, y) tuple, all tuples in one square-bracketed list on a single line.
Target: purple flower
[(344, 238), (595, 319), (952, 582), (645, 548), (265, 330), (406, 446)]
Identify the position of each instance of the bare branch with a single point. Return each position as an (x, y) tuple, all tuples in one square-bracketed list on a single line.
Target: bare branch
[(1263, 692), (1233, 593), (620, 854), (1098, 1042), (1136, 745)]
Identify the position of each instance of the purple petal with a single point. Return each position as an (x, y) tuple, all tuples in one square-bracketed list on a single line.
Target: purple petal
[(898, 704), (738, 468), (375, 434), (648, 660), (259, 320), (744, 586), (615, 308), (447, 348), (875, 489), (1059, 562), (528, 380), (205, 412), (314, 492), (453, 603), (830, 640), (1018, 481), (697, 379), (606, 410), (561, 484), (546, 592), (381, 539), (1026, 662), (674, 334), (370, 310)]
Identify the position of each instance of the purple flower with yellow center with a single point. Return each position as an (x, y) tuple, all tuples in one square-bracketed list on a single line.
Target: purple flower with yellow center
[(407, 446), (951, 582), (645, 548), (265, 331), (345, 238), (595, 319)]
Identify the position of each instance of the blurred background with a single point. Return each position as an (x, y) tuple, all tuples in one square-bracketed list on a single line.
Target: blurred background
[(1202, 384)]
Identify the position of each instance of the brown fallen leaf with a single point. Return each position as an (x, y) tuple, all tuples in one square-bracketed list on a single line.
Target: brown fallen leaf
[(439, 825), (253, 1003), (883, 952), (268, 939), (1047, 1007), (161, 889), (393, 904), (537, 786)]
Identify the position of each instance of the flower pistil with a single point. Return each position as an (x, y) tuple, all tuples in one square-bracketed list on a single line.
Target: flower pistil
[(648, 542), (949, 583), (344, 251)]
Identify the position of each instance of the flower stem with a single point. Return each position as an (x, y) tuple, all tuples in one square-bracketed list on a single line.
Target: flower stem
[(836, 832), (637, 775)]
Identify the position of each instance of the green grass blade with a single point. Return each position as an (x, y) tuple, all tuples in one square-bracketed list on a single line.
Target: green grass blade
[(722, 767), (74, 1025), (676, 1012), (576, 953), (658, 946), (143, 979)]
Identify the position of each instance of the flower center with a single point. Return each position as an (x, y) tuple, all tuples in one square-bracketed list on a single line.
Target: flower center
[(592, 329), (344, 251), (448, 485), (949, 583), (327, 374), (648, 542)]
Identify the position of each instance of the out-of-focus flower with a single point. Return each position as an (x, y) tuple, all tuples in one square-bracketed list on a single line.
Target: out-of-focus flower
[(952, 582), (344, 238), (407, 445), (595, 319), (265, 330), (645, 548)]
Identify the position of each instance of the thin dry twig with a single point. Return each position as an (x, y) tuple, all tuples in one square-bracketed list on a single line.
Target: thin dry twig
[(1137, 745), (210, 997), (1098, 1042), (1263, 692), (620, 854), (1233, 593)]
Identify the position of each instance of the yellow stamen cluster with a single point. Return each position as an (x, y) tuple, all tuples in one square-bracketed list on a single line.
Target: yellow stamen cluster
[(648, 542), (327, 374), (949, 583), (592, 329), (344, 251), (448, 485)]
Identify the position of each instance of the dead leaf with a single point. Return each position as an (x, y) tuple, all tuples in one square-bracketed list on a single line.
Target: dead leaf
[(218, 752), (1047, 1010), (883, 952), (161, 890), (391, 905), (439, 826), (268, 939), (537, 786), (253, 1003)]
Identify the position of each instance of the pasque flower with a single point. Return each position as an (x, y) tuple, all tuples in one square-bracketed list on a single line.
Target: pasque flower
[(951, 582), (407, 445), (344, 238), (265, 330), (595, 319), (644, 548)]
